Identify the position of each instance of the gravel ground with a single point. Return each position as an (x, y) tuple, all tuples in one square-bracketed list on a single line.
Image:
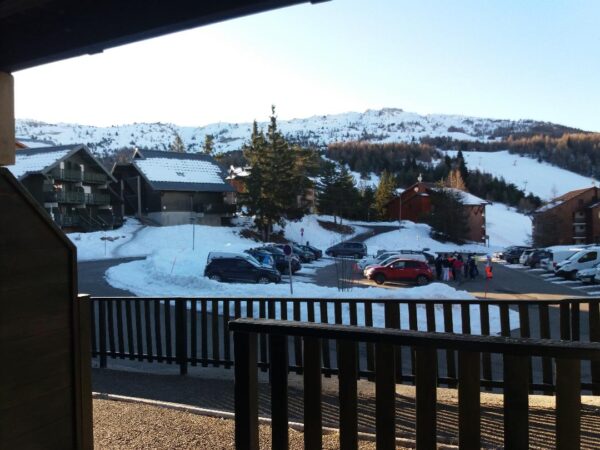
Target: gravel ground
[(119, 425)]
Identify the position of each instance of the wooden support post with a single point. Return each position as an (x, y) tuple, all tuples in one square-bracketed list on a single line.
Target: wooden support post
[(313, 427), (385, 392), (7, 119), (426, 381), (348, 396), (516, 401), (85, 438), (278, 351), (139, 196), (245, 391), (469, 411), (568, 403)]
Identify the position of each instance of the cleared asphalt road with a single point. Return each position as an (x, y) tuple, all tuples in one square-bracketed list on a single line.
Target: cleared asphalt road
[(91, 278)]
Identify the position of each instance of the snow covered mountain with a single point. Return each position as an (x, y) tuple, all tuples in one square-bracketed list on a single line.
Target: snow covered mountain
[(385, 125)]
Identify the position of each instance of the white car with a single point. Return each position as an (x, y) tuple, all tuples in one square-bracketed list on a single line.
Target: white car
[(584, 259), (368, 260), (526, 254), (559, 253)]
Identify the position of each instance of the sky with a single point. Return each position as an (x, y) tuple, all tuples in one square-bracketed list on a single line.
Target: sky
[(509, 59)]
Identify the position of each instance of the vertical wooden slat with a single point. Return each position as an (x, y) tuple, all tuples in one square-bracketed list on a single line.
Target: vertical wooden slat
[(369, 345), (226, 337), (544, 317), (565, 321), (348, 420), (469, 420), (430, 314), (575, 329), (594, 323), (284, 309), (516, 401), (525, 332), (504, 320), (337, 312), (262, 313), (204, 332), (297, 340), (313, 426), (278, 351), (181, 336), (194, 331), (168, 332), (568, 403), (157, 332), (93, 326), (385, 397), (392, 320), (249, 308), (102, 332), (237, 308), (138, 329), (413, 324), (120, 327), (148, 329), (245, 392), (310, 306), (130, 332), (486, 360), (426, 392), (465, 318), (325, 342), (449, 328), (111, 327), (214, 315), (353, 314)]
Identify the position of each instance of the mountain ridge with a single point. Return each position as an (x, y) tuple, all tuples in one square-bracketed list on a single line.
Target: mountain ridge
[(374, 125)]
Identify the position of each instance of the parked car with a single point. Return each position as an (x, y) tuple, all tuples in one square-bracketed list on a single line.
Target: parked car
[(525, 256), (318, 254), (305, 256), (417, 257), (369, 260), (584, 259), (401, 270), (281, 262), (588, 275), (512, 254), (536, 258), (240, 268), (426, 252), (353, 249)]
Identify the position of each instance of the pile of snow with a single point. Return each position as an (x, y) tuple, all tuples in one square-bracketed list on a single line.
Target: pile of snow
[(539, 178), (315, 234), (416, 236)]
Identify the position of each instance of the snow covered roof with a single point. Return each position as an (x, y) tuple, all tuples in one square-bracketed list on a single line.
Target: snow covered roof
[(171, 171), (467, 198), (41, 160), (549, 206), (563, 199), (236, 172)]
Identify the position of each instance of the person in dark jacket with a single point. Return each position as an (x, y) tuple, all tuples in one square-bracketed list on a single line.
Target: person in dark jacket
[(438, 267)]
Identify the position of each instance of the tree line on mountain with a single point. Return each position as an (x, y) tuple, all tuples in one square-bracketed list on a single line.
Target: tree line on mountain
[(577, 152)]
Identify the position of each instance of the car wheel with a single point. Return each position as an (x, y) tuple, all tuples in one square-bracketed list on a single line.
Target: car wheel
[(572, 275), (379, 278), (263, 280), (422, 280), (215, 277)]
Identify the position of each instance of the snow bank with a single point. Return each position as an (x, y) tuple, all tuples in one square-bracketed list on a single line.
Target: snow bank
[(415, 236), (316, 234), (104, 244)]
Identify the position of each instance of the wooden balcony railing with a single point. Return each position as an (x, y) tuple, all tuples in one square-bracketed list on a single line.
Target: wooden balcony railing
[(515, 353), (195, 331)]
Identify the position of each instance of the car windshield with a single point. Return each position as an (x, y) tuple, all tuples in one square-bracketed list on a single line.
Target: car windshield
[(252, 260), (576, 256)]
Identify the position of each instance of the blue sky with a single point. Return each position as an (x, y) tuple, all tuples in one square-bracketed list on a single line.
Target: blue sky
[(534, 59)]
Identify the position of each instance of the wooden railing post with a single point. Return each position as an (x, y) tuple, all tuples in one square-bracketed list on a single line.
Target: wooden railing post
[(245, 391), (313, 427), (278, 355), (516, 401), (348, 396), (385, 397), (102, 333), (426, 388), (181, 336), (469, 420), (568, 403), (85, 432)]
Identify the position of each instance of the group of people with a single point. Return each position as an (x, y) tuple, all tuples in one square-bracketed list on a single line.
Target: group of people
[(452, 267)]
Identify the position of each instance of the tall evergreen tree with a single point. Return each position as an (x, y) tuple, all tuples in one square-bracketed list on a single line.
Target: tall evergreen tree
[(338, 194), (209, 144), (384, 193), (448, 218), (177, 145)]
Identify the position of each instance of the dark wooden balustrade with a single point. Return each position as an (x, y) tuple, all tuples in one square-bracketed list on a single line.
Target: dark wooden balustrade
[(515, 353), (185, 331)]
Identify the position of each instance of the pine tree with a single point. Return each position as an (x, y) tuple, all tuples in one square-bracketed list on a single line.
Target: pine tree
[(338, 195), (177, 145), (384, 193), (278, 178), (448, 218), (209, 144)]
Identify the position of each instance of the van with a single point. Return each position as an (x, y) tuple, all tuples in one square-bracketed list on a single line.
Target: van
[(584, 259), (557, 254)]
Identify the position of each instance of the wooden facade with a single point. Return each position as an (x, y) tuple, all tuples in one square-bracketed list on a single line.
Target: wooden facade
[(414, 204), (45, 394), (575, 215)]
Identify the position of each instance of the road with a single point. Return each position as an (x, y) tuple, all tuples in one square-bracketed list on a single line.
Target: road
[(91, 278)]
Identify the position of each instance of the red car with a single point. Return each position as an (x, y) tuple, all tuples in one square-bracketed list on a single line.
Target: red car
[(401, 270)]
